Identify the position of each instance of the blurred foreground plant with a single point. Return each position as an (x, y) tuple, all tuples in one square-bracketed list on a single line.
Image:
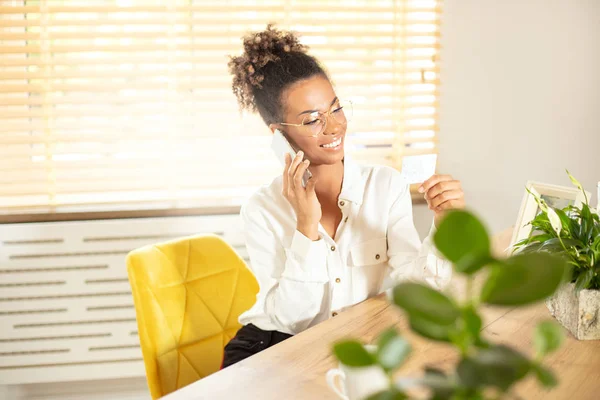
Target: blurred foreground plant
[(485, 369)]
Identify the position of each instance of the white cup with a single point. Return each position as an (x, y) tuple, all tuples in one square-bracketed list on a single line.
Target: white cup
[(357, 383)]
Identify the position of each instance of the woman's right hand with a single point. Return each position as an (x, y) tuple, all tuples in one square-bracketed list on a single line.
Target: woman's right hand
[(303, 200)]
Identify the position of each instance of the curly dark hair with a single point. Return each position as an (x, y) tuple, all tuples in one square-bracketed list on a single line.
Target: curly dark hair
[(272, 61)]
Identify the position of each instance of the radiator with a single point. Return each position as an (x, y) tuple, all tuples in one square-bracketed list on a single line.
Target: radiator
[(66, 310)]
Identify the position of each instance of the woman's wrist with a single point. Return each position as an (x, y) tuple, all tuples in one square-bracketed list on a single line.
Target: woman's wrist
[(308, 229)]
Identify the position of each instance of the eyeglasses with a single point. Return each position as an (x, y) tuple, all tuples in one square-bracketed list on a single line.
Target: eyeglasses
[(315, 123)]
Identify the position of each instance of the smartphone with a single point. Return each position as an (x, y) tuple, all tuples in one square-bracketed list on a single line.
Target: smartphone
[(280, 146)]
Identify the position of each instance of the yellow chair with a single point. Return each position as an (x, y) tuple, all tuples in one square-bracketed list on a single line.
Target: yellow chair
[(188, 295)]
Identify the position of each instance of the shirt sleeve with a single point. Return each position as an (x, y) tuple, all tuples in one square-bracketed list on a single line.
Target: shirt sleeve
[(291, 271), (409, 258)]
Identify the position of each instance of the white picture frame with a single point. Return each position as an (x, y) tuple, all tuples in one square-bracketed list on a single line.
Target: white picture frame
[(556, 196)]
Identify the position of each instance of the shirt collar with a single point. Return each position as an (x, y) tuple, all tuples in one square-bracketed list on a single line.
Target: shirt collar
[(353, 184)]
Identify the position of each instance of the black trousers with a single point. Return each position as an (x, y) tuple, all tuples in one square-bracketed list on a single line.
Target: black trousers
[(248, 341)]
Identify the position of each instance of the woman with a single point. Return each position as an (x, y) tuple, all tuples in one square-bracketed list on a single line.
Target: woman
[(344, 237)]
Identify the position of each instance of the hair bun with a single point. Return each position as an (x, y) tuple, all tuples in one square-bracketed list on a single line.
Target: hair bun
[(260, 48), (270, 45)]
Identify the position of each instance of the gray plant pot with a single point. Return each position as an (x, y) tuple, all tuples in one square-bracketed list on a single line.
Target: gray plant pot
[(579, 313)]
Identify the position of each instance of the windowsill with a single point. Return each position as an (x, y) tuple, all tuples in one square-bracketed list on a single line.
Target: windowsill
[(100, 215), (147, 213)]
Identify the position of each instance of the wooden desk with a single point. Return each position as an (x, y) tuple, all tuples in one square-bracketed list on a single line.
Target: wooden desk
[(295, 369)]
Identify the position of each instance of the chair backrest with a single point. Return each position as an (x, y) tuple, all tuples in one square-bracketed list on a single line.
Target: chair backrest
[(188, 295)]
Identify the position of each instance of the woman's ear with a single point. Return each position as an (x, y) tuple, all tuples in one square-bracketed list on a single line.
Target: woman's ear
[(274, 127)]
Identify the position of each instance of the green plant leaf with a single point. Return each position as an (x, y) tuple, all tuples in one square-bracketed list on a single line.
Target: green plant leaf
[(502, 356), (578, 185), (470, 264), (386, 336), (498, 366), (576, 230), (571, 209), (545, 376), (554, 246), (524, 279), (469, 373), (468, 395), (541, 223), (482, 343), (431, 330), (440, 385), (463, 240), (541, 238), (595, 247), (584, 280), (433, 371), (472, 322), (352, 354), (547, 337), (525, 241), (467, 332), (574, 181), (421, 301), (392, 349), (565, 220), (542, 218), (390, 394), (530, 248), (587, 224), (596, 243)]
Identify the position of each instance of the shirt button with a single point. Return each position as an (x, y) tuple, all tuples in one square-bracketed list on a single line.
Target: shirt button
[(342, 203), (332, 248), (377, 256), (337, 280), (333, 314), (346, 219)]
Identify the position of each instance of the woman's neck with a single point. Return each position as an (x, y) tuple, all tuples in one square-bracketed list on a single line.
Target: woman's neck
[(329, 180)]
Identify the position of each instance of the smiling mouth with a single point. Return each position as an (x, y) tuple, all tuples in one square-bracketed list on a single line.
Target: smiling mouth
[(333, 144)]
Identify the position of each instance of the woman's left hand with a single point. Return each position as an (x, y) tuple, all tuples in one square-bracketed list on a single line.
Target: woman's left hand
[(442, 193)]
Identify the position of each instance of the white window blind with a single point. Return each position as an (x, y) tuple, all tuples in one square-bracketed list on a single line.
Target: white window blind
[(110, 104)]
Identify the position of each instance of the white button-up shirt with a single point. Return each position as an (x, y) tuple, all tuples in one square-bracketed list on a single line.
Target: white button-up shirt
[(303, 282)]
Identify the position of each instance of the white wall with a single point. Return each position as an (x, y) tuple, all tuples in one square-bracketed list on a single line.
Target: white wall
[(520, 99)]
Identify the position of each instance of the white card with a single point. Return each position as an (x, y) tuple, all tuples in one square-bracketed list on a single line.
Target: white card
[(416, 169)]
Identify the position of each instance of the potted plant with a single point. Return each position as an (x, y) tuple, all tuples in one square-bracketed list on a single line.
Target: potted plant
[(574, 233), (484, 369)]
